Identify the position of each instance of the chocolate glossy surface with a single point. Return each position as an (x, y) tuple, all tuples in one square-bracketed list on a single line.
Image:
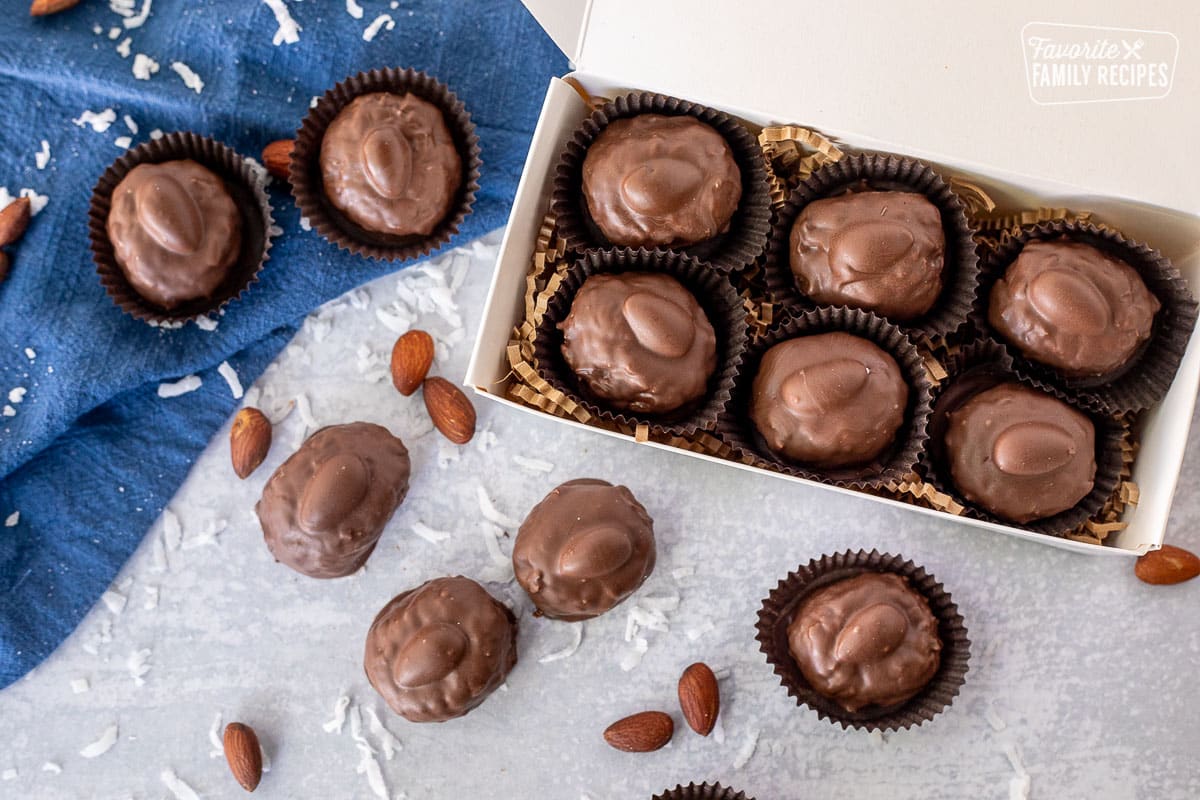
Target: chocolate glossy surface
[(175, 231), (879, 251), (639, 341), (324, 509), (865, 641), (583, 549), (828, 400), (1020, 453), (1070, 306), (389, 163), (437, 651), (658, 180)]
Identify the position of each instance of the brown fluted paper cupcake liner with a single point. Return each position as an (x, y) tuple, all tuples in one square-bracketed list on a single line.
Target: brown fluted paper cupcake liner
[(737, 430), (884, 172), (1148, 375), (748, 230), (243, 178), (715, 295), (780, 606), (701, 791), (979, 366), (305, 168)]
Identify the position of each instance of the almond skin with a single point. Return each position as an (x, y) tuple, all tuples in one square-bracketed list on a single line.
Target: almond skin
[(41, 8), (412, 355), (641, 733), (450, 409), (14, 219), (4, 264), (277, 156), (243, 754), (249, 440), (699, 698), (1166, 566)]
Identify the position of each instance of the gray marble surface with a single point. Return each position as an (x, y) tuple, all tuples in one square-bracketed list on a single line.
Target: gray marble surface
[(1082, 680)]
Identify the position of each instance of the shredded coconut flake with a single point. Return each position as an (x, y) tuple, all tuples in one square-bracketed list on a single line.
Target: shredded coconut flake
[(52, 768), (376, 25), (151, 598), (156, 134), (429, 534), (130, 124), (569, 649), (180, 387), (12, 519), (102, 745), (9, 774), (137, 665), (338, 722), (993, 719), (123, 142), (79, 685), (387, 740), (114, 33), (114, 600), (30, 353), (98, 120), (683, 572), (491, 514), (206, 323), (9, 411), (354, 9), (1018, 788), (214, 738), (15, 396), (231, 377), (718, 731), (125, 48), (139, 20), (190, 79), (631, 658), (696, 631), (533, 464), (177, 787), (172, 530), (746, 751), (42, 157), (288, 31)]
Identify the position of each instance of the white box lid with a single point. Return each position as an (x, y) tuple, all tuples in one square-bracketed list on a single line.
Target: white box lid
[(948, 79)]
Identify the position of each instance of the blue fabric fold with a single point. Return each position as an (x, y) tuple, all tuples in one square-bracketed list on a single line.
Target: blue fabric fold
[(90, 414)]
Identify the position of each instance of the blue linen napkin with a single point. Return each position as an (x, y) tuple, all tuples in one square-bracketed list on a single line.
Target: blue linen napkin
[(89, 454)]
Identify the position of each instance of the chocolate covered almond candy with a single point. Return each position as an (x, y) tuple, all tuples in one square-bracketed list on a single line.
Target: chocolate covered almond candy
[(639, 341), (175, 231), (829, 400), (879, 251), (1070, 306), (1020, 453), (324, 509), (437, 651), (583, 549), (389, 163), (657, 180)]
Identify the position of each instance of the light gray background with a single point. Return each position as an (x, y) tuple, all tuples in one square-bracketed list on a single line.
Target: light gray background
[(1080, 674)]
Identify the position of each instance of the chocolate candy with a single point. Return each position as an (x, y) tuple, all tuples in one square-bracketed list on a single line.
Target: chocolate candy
[(586, 547), (1019, 453), (389, 163), (655, 180), (829, 400), (175, 231), (879, 251), (639, 341), (437, 651), (1072, 307), (324, 509), (866, 641)]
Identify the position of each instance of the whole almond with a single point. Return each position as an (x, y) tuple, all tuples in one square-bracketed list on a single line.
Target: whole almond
[(450, 410), (14, 219), (41, 8), (699, 698), (249, 440), (243, 754), (4, 263), (1169, 565), (277, 156), (412, 355), (641, 733)]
